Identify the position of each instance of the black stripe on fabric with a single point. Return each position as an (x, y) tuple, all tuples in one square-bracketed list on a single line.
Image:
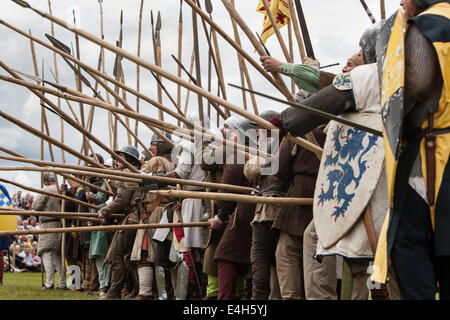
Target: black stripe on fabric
[(434, 27)]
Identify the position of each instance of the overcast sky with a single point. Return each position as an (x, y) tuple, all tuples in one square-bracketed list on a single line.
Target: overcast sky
[(334, 27)]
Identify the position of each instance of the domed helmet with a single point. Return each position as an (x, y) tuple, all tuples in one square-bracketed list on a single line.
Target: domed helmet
[(156, 138), (368, 42), (132, 151)]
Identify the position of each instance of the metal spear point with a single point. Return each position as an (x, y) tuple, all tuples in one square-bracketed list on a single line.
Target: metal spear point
[(263, 45), (319, 113), (26, 5)]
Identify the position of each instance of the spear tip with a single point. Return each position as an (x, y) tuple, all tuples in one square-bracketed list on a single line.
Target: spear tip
[(158, 21), (208, 6)]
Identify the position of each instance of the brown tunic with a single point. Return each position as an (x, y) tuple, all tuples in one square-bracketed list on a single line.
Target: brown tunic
[(237, 239), (301, 169)]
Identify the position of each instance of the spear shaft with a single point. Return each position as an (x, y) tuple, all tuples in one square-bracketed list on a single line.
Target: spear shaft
[(106, 228)]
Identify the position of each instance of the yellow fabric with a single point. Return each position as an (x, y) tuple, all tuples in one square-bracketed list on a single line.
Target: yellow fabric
[(7, 222), (393, 78), (441, 118), (280, 12)]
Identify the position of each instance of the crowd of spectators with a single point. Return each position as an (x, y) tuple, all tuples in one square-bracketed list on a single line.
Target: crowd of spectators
[(22, 249)]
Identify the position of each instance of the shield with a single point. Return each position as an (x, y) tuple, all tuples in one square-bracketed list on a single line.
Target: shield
[(391, 70), (349, 172)]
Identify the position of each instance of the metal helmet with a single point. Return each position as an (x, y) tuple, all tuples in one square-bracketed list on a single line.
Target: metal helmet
[(108, 162), (132, 151), (368, 42), (426, 3), (232, 122), (156, 138), (49, 176), (194, 116), (266, 115)]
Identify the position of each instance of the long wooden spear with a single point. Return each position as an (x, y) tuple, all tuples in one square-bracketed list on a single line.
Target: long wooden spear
[(64, 216), (243, 66), (304, 28), (138, 73), (297, 34), (180, 53), (63, 158), (215, 61), (147, 65), (21, 158), (134, 177), (231, 197), (256, 44), (56, 214), (105, 228), (198, 78), (51, 194)]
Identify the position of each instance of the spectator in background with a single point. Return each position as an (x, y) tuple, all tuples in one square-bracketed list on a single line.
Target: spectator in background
[(17, 200), (27, 260)]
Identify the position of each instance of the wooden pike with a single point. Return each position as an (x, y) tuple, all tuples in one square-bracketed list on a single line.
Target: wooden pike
[(55, 213), (133, 177), (36, 71), (382, 9), (63, 157), (243, 66), (180, 53), (106, 228), (191, 69), (277, 32), (70, 171), (215, 59), (304, 28), (256, 44), (297, 34), (21, 158), (291, 53), (51, 194), (147, 65), (158, 58), (138, 72), (198, 78), (231, 197), (64, 216)]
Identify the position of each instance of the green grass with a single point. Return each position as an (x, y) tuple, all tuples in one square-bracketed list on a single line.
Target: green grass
[(27, 286)]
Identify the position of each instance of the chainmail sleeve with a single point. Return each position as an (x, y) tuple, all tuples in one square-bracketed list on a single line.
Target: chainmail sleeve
[(423, 80), (298, 122)]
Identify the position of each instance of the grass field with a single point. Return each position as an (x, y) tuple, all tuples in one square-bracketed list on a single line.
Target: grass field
[(27, 286)]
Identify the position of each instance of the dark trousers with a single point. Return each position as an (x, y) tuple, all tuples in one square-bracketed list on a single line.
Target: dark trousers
[(121, 247), (262, 256), (415, 264), (228, 274)]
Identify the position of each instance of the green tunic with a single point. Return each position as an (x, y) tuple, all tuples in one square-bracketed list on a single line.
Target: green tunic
[(305, 77), (100, 240)]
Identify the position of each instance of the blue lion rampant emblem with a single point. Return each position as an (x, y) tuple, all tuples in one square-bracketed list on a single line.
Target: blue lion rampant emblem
[(343, 173)]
